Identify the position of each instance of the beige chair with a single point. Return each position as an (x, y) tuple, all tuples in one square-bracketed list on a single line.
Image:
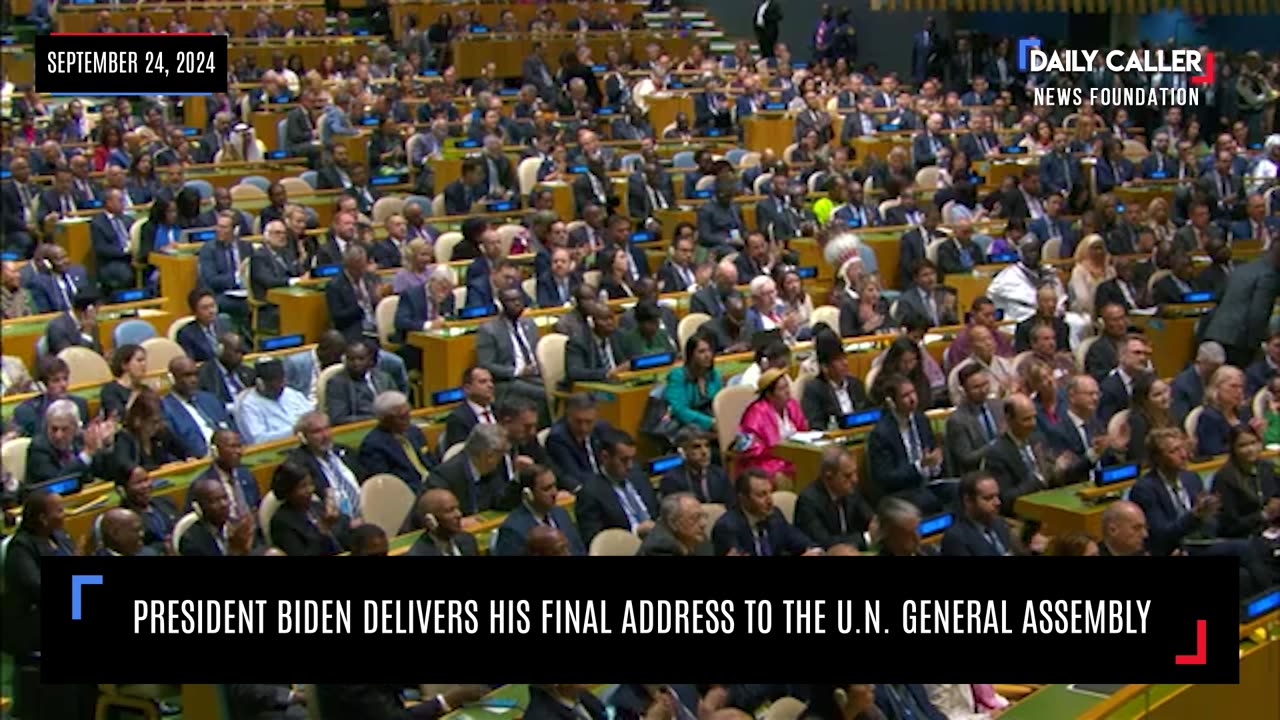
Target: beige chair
[(1135, 150), (785, 708), (761, 183), (1261, 401), (13, 455), (87, 367), (1053, 249), (1083, 349), (1156, 277), (184, 524), (322, 384), (385, 207), (728, 406), (891, 203), (527, 174), (931, 250), (790, 152), (785, 501), (543, 434), (160, 351), (614, 542), (444, 246), (1021, 358), (247, 194), (689, 325), (829, 315), (1118, 423), (385, 501), (550, 351), (437, 205), (385, 318), (798, 385), (267, 510), (751, 159), (530, 287), (453, 450), (927, 177), (706, 182), (460, 297), (592, 278), (712, 512), (507, 236), (295, 187), (177, 325), (1192, 420)]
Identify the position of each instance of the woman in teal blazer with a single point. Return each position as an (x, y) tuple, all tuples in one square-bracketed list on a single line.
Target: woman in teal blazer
[(691, 387)]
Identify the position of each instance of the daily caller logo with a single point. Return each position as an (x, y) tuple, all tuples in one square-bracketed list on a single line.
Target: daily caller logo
[(1179, 75)]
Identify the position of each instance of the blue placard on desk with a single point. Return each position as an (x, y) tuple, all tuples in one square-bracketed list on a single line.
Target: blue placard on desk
[(654, 360), (1200, 296), (713, 132), (132, 295), (599, 67), (807, 272), (200, 235), (69, 485), (369, 120), (1119, 207), (476, 311), (860, 419), (277, 154), (936, 525), (508, 91), (89, 204), (676, 85), (605, 111), (578, 169), (468, 143), (6, 39), (1015, 150), (190, 131), (1260, 605), (325, 271), (799, 65), (702, 194), (888, 127), (657, 466), (1158, 175), (502, 206), (637, 237), (430, 73), (1115, 474), (5, 174), (479, 28), (281, 342), (10, 255), (362, 32), (388, 180), (1003, 258), (775, 106), (444, 397)]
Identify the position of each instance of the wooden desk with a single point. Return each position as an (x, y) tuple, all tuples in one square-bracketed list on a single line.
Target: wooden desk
[(622, 406), (18, 337), (19, 63), (1173, 341), (74, 237), (302, 311), (178, 277), (770, 131), (664, 106), (82, 18), (471, 53)]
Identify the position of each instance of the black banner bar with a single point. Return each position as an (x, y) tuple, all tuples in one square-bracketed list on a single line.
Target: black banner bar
[(131, 64), (1131, 619)]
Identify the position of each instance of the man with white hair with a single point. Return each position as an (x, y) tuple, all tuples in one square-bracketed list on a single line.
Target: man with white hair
[(710, 300), (396, 445), (681, 528), (1267, 170), (62, 449), (1124, 530), (476, 475), (1188, 386), (926, 145), (764, 314)]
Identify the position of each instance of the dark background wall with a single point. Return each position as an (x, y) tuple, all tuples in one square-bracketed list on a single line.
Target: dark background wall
[(885, 37)]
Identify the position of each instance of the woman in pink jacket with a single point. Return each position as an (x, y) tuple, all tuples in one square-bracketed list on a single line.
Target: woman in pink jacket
[(771, 419)]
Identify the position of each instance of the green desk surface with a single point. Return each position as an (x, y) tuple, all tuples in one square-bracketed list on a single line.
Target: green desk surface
[(299, 290), (1060, 702), (517, 693), (89, 394), (37, 327)]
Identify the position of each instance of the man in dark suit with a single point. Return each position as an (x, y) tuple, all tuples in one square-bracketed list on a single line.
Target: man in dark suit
[(594, 187), (711, 109), (860, 123), (78, 326), (109, 233), (426, 305), (649, 190), (926, 145), (766, 19), (1222, 186), (575, 441), (121, 532), (902, 454), (1023, 201), (63, 449), (697, 475), (1240, 321), (597, 356), (775, 216), (335, 170), (214, 534), (461, 195), (272, 265), (227, 375), (243, 495), (1053, 225), (1189, 385), (483, 270), (832, 510), (506, 346), (814, 118), (193, 415), (924, 298), (537, 73), (1195, 235), (980, 532), (1117, 386), (332, 465), (219, 268), (755, 526), (554, 287), (926, 53), (17, 208), (960, 254), (222, 203), (913, 244), (438, 513), (477, 475), (678, 272), (349, 395), (681, 529), (976, 423), (835, 392), (710, 300), (395, 445), (352, 295), (537, 507), (476, 407), (1260, 372), (720, 224), (1173, 498), (55, 280), (1158, 164), (58, 200), (301, 135), (1019, 459), (1081, 432), (617, 496), (1059, 172), (1104, 353), (1257, 225), (617, 235), (360, 189)]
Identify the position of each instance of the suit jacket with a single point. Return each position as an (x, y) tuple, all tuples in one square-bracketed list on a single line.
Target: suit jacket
[(458, 425), (1188, 393), (818, 516), (922, 150), (1240, 320), (542, 706), (298, 131), (1004, 461), (63, 332), (911, 302), (583, 361), (598, 508), (536, 72), (415, 310), (1185, 239), (1243, 497), (898, 215), (344, 309), (381, 452), (496, 353), (569, 457), (28, 417), (305, 458), (213, 375), (11, 214), (820, 404), (47, 296), (1148, 168), (966, 538), (1040, 228), (199, 541), (967, 440), (372, 702), (294, 532), (107, 247), (1168, 524), (670, 277), (1212, 279), (734, 531), (1115, 396), (474, 495), (44, 462), (707, 300), (1110, 292), (1243, 229), (215, 268), (662, 542), (893, 475), (950, 261), (911, 250), (184, 427), (584, 194), (718, 487), (244, 478), (458, 197), (716, 223), (776, 219), (1057, 173), (640, 205), (818, 120), (349, 400), (51, 202), (513, 534), (425, 546), (269, 269), (1101, 358), (853, 126), (548, 292)]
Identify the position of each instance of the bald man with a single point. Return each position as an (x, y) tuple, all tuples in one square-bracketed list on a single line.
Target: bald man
[(1019, 458), (214, 534), (545, 541), (121, 533), (1124, 530), (191, 413), (959, 254), (438, 513)]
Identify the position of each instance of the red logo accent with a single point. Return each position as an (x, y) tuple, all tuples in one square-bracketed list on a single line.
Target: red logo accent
[(1207, 77), (1199, 657)]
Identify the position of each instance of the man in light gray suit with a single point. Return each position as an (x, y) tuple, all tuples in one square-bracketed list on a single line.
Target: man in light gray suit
[(349, 396), (1240, 321), (506, 346), (975, 424)]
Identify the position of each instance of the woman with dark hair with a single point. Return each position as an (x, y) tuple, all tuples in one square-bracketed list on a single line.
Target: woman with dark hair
[(648, 336), (144, 438), (1149, 410), (902, 358), (187, 204), (795, 300), (1073, 544), (1248, 489), (692, 387), (773, 417), (129, 366), (141, 184), (111, 150), (160, 229), (615, 277), (299, 527)]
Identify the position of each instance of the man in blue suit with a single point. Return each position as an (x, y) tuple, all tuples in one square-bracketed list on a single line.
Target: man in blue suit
[(1053, 225), (1172, 497), (52, 371), (1079, 431), (575, 440), (617, 496), (192, 414), (109, 233), (755, 526), (219, 267), (538, 507), (235, 478), (902, 450), (981, 532), (199, 338), (1257, 225), (396, 445), (55, 279), (1059, 172), (479, 281), (926, 55), (697, 474)]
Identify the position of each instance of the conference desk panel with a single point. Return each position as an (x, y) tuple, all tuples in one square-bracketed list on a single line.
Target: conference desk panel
[(491, 13), (769, 131), (179, 275), (664, 106), (74, 236), (311, 50), (240, 18), (20, 64), (473, 52), (19, 337), (303, 311)]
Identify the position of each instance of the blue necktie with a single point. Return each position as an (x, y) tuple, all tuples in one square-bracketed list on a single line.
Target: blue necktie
[(986, 423)]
